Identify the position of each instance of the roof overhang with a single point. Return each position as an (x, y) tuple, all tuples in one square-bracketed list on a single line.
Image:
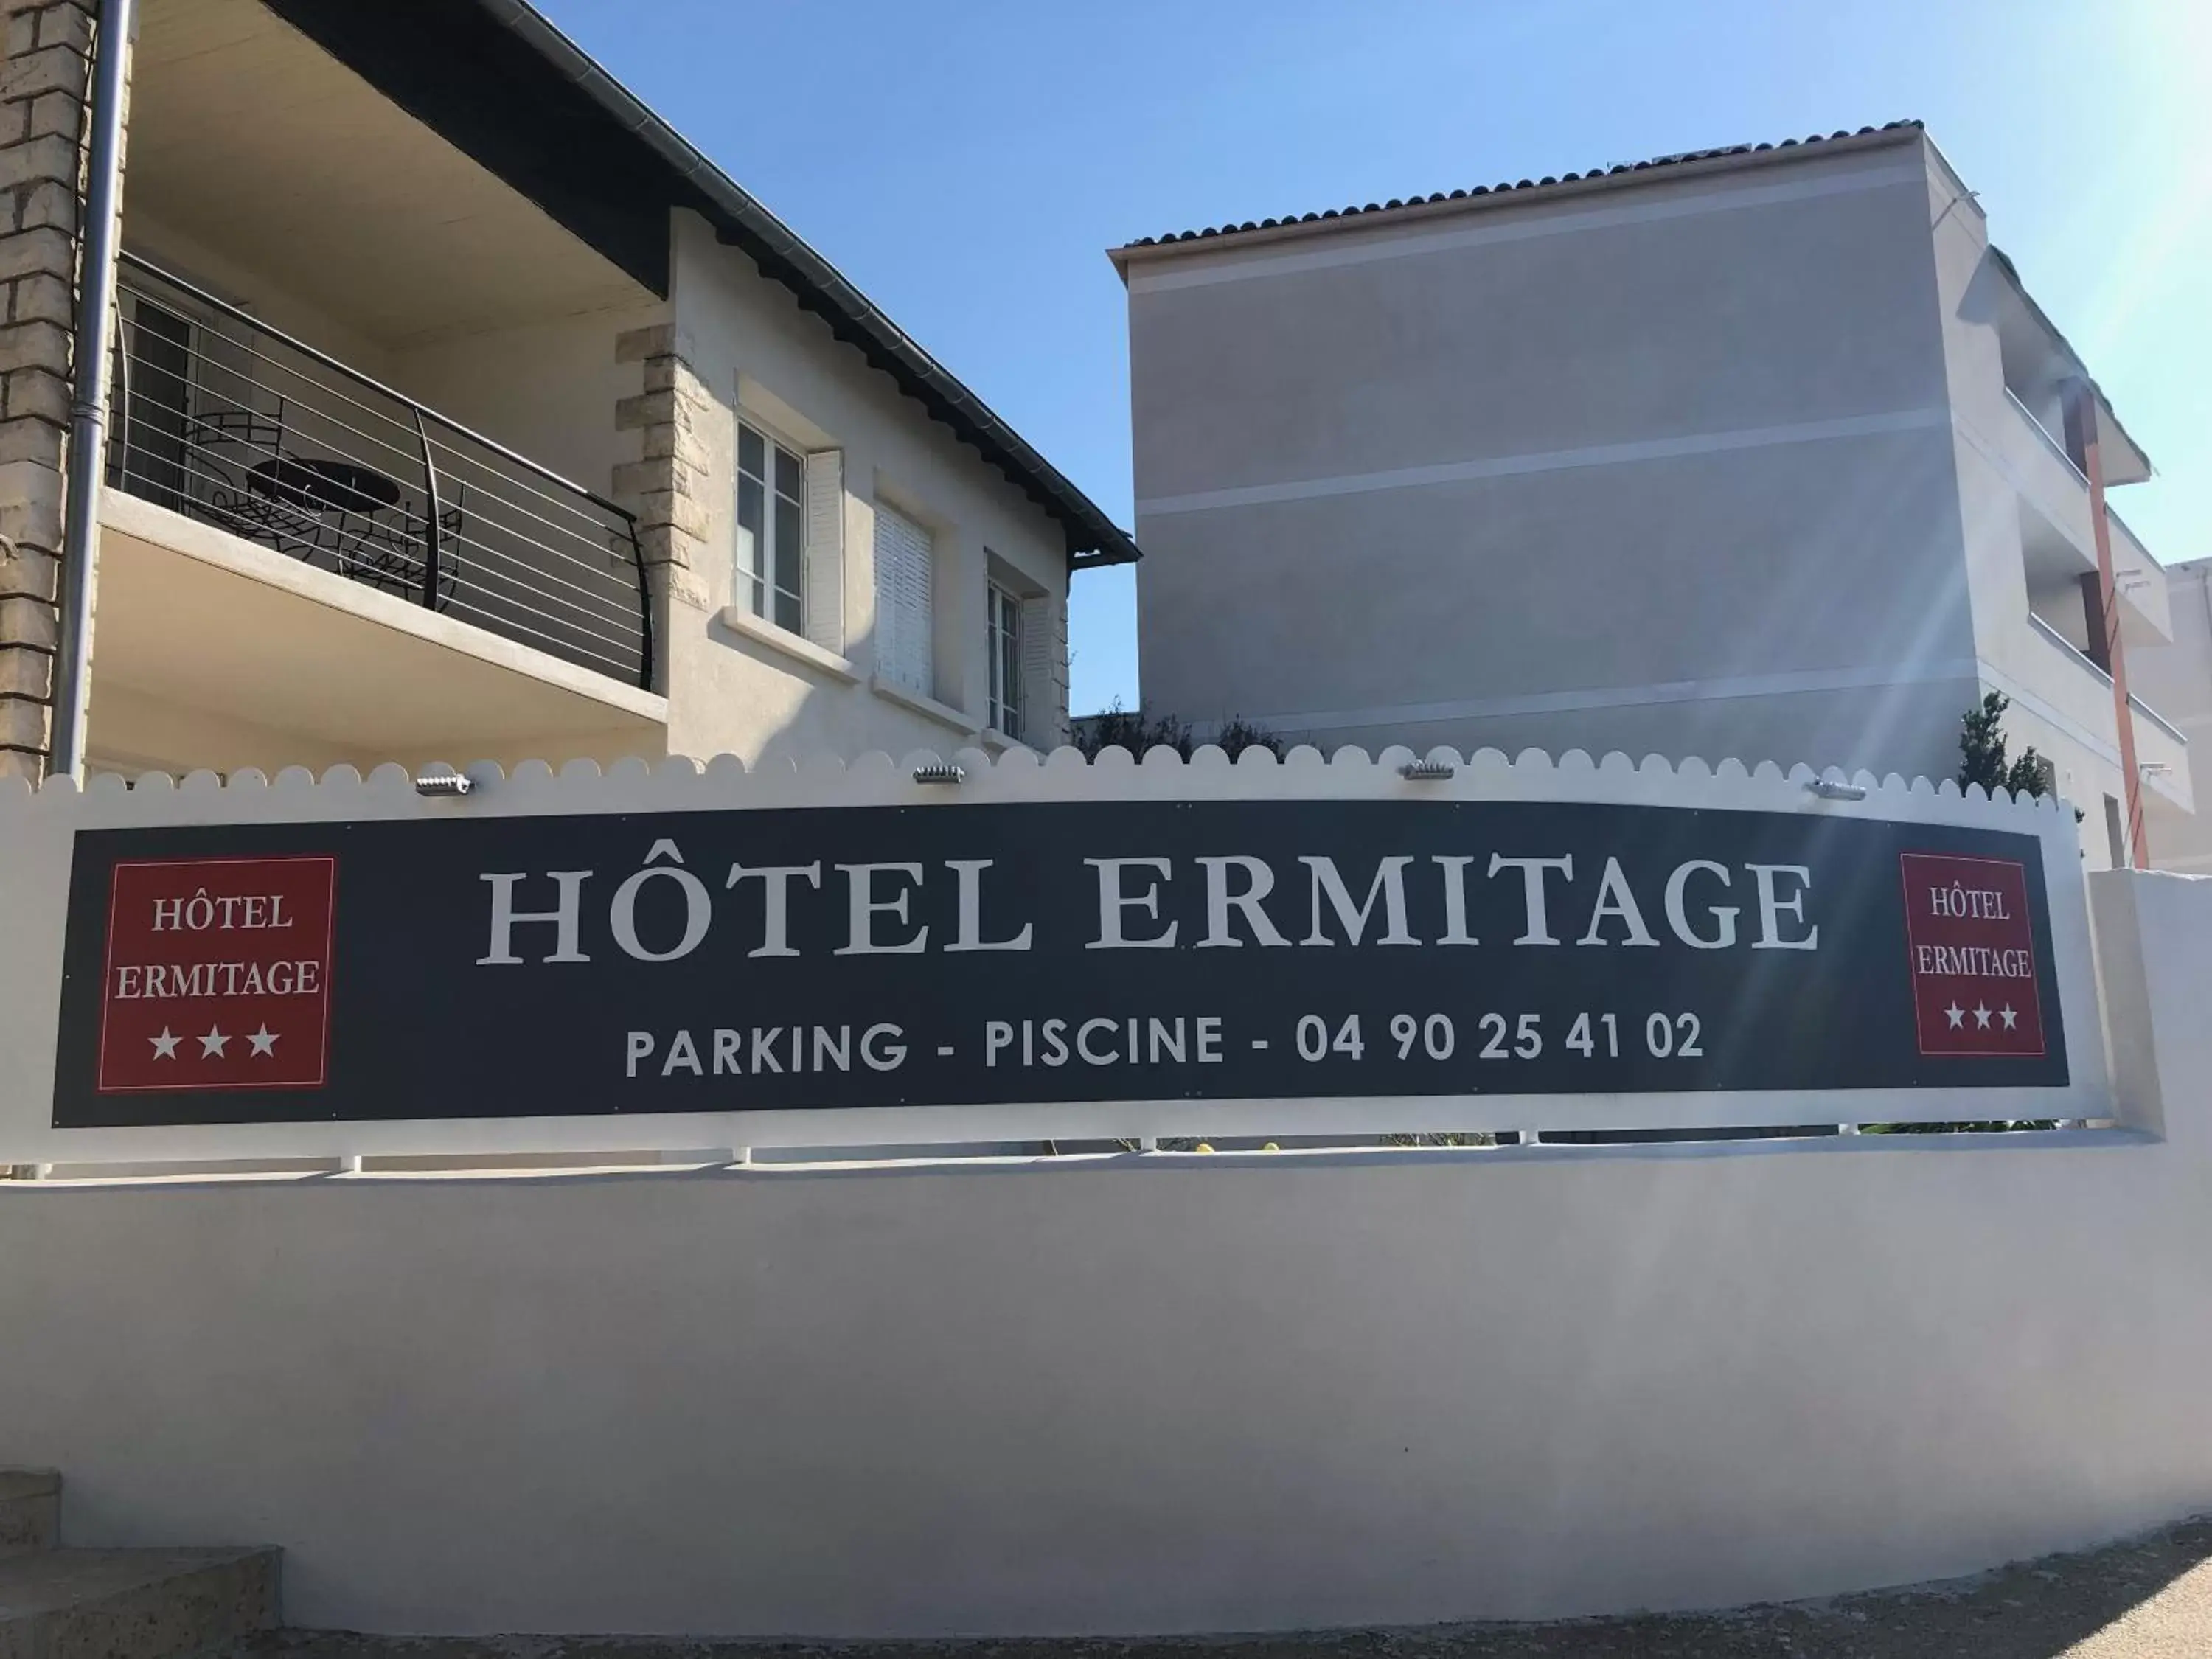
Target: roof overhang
[(2125, 461), (1482, 198), (502, 85)]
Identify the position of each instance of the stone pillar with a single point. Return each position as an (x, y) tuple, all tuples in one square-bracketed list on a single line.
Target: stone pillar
[(665, 485), (44, 83), (1056, 672)]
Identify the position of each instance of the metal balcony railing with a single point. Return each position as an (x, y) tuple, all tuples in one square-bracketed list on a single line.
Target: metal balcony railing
[(228, 421), (2051, 441), (2081, 660)]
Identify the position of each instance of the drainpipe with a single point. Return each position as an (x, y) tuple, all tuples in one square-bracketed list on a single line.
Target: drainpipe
[(88, 445), (2081, 437)]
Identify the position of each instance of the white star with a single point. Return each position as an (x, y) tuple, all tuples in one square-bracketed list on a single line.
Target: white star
[(211, 1044), (2011, 1019), (263, 1041), (165, 1045), (1957, 1015), (1981, 1017)]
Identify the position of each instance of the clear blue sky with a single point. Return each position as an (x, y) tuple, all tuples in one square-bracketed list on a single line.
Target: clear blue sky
[(968, 164)]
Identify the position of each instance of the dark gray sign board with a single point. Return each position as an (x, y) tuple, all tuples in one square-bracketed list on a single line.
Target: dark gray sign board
[(866, 956)]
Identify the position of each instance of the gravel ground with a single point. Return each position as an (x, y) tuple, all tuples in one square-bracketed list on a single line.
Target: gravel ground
[(2148, 1598)]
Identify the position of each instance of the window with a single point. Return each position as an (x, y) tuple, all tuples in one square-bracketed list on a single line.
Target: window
[(1006, 638), (905, 641), (771, 552), (151, 456)]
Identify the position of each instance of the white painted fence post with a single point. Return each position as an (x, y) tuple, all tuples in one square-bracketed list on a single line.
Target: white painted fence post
[(2154, 933)]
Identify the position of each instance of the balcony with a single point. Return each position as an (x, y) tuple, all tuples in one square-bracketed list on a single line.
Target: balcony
[(363, 441), (229, 422), (301, 565), (2058, 541), (2075, 696)]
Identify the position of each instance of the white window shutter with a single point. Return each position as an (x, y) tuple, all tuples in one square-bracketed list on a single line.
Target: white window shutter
[(905, 642), (825, 549), (1040, 697)]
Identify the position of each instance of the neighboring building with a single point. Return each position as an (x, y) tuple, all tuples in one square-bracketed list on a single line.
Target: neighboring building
[(1762, 453), (395, 276), (2178, 683)]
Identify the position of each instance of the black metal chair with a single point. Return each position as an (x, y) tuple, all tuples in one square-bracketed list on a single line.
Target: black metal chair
[(317, 508), (232, 448), (344, 507), (453, 523), (411, 545)]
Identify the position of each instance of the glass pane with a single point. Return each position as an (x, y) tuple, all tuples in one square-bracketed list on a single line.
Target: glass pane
[(752, 526), (155, 422), (752, 453), (789, 474), (751, 546), (788, 612), (790, 543)]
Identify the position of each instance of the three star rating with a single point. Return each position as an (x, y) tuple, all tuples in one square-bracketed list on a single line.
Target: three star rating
[(1982, 1013), (214, 1042)]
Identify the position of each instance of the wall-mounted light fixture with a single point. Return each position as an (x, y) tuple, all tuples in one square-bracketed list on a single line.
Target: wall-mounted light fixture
[(1835, 789), (941, 771), (444, 783), (1427, 771)]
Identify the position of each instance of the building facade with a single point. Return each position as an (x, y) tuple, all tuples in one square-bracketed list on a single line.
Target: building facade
[(462, 411), (1763, 453), (2178, 681)]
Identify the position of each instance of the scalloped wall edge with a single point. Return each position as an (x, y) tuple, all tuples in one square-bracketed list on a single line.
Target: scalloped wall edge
[(878, 766)]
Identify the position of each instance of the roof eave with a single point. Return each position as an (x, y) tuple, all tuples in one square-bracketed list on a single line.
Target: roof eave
[(2109, 425), (1491, 200), (1093, 539)]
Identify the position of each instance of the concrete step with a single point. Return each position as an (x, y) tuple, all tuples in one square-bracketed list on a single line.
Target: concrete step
[(134, 1604), (30, 1510)]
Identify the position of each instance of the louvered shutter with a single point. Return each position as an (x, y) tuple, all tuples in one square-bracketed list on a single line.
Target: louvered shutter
[(1039, 691), (825, 549), (903, 615)]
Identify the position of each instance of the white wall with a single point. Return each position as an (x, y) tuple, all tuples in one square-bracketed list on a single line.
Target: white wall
[(237, 281), (1717, 459), (1141, 1393), (1149, 1393), (759, 354), (546, 388), (1670, 450), (2177, 681)]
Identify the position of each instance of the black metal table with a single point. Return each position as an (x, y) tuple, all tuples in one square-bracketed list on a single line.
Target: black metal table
[(351, 512), (316, 485)]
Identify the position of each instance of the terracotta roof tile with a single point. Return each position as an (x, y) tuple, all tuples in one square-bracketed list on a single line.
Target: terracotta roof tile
[(1501, 188)]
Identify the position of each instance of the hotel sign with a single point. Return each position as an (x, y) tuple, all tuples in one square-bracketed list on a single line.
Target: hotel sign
[(823, 957), (245, 941)]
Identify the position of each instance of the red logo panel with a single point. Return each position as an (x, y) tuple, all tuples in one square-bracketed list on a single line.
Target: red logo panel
[(218, 974), (1973, 956)]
